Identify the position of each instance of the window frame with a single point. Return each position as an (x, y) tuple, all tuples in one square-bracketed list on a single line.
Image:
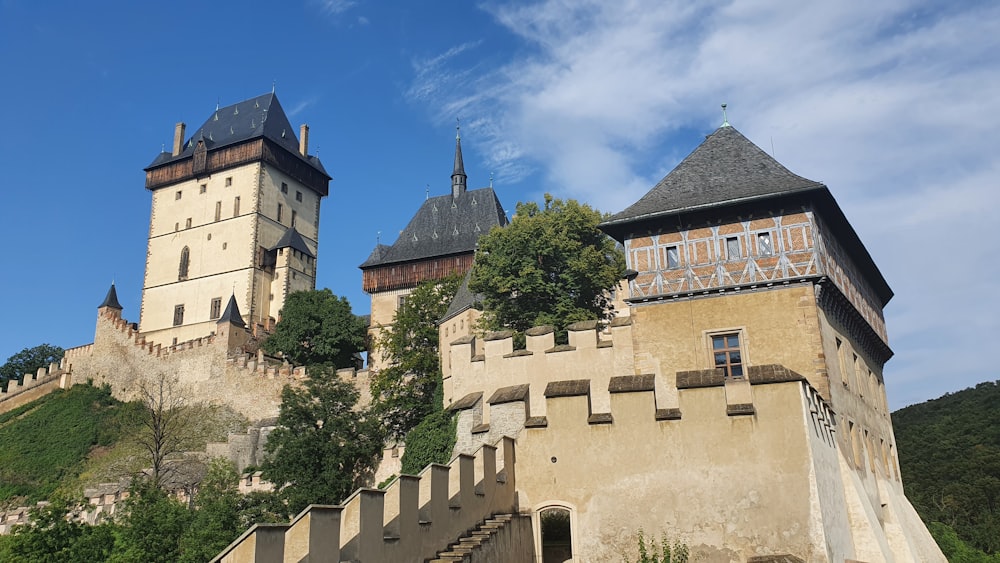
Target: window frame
[(762, 249), (216, 309), (178, 315), (728, 349), (730, 240)]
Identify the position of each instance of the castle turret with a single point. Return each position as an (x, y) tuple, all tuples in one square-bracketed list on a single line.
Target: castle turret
[(231, 330), (458, 177), (110, 305)]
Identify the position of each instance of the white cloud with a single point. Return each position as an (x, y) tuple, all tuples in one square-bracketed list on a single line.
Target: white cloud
[(335, 7), (888, 103)]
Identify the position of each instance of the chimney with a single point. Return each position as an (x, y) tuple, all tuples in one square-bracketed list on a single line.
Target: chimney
[(178, 138), (304, 140)]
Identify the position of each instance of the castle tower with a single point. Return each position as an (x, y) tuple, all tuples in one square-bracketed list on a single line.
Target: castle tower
[(440, 240), (739, 263), (235, 211)]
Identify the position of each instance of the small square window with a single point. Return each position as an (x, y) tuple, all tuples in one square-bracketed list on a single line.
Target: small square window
[(229, 181), (216, 311), (203, 188), (298, 196), (733, 248), (284, 188), (673, 258), (726, 354), (178, 194), (764, 247)]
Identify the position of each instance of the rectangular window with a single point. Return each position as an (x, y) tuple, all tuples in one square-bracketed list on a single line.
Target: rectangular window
[(203, 188), (673, 258), (178, 194), (284, 188), (298, 196), (216, 308), (178, 315), (218, 210), (293, 217), (236, 206), (726, 354), (229, 181), (280, 209), (733, 248), (187, 223), (764, 247)]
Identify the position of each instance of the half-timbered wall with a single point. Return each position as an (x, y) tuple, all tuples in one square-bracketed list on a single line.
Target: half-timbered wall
[(746, 253), (700, 259)]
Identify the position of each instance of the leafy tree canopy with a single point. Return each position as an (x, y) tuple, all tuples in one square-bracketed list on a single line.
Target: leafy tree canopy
[(949, 456), (323, 448), (404, 392), (317, 327), (549, 266), (28, 361)]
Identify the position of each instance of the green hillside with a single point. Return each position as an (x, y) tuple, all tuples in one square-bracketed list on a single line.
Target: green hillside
[(48, 441), (949, 455)]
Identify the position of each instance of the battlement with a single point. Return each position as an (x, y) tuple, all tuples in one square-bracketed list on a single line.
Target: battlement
[(631, 400), (34, 385), (593, 354), (410, 520)]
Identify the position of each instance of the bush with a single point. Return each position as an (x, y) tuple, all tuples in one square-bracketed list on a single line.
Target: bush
[(662, 553), (430, 442)]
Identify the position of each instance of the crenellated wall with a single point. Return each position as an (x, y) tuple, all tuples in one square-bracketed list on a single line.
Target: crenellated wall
[(32, 386), (413, 519)]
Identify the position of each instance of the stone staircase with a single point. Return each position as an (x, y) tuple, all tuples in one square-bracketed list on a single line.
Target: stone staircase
[(464, 548)]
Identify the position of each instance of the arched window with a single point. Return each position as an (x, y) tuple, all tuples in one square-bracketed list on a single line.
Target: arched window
[(182, 270)]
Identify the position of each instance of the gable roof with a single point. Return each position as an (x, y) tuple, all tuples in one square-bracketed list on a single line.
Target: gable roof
[(292, 239), (261, 116), (725, 168), (463, 301), (444, 225)]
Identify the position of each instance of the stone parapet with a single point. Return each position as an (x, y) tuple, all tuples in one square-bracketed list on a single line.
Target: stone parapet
[(411, 520)]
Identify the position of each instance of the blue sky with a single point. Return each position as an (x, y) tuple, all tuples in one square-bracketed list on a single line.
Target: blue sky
[(891, 104)]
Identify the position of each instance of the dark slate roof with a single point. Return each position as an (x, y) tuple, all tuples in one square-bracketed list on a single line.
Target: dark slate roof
[(257, 117), (464, 299), (444, 225), (232, 314), (111, 299), (725, 168), (293, 239)]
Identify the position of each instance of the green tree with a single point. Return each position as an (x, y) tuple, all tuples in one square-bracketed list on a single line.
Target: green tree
[(216, 521), (549, 266), (151, 527), (317, 327), (323, 448), (51, 537), (403, 393), (28, 361), (431, 441)]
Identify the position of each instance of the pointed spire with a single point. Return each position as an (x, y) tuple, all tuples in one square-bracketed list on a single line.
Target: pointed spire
[(232, 314), (111, 300), (458, 177)]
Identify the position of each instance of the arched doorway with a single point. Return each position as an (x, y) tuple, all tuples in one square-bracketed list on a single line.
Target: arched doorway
[(556, 533)]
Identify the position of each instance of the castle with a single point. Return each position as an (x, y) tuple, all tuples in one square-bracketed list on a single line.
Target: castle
[(736, 402)]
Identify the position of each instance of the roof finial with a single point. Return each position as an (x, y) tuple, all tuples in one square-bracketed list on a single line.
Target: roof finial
[(163, 147), (378, 238), (491, 179), (217, 100), (725, 120), (427, 191), (273, 84)]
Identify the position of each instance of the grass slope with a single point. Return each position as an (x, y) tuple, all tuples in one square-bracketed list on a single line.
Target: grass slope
[(48, 440), (949, 455)]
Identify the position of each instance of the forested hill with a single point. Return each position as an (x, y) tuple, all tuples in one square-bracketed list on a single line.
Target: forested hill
[(949, 455)]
